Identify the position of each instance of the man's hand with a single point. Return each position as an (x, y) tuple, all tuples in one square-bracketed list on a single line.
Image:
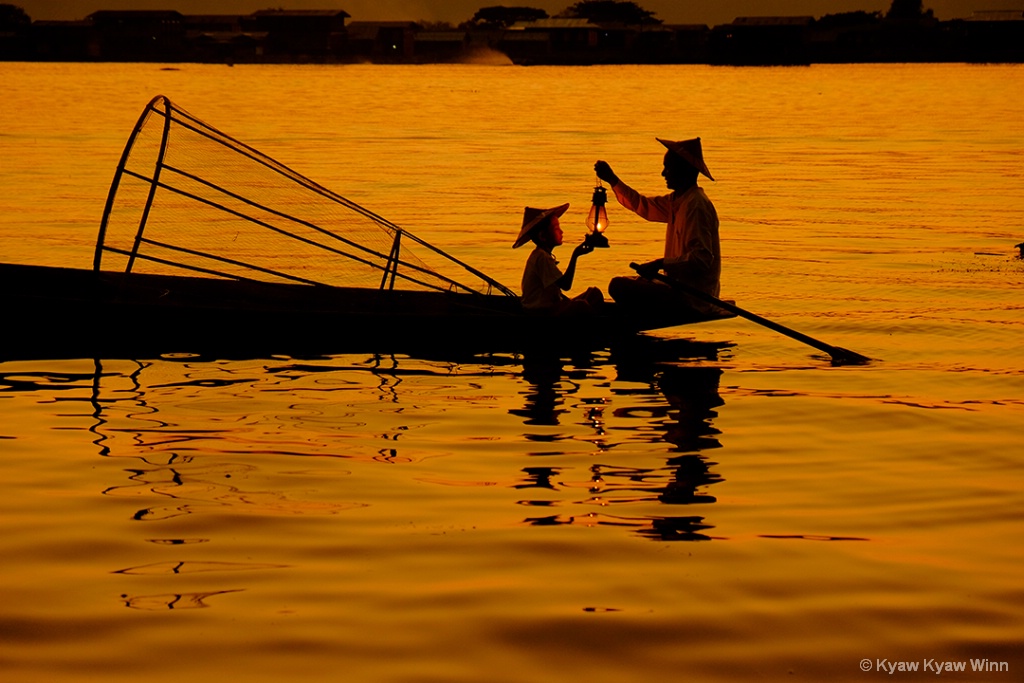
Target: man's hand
[(605, 172), (649, 270)]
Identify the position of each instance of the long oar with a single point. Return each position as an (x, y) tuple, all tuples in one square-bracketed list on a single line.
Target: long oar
[(839, 355)]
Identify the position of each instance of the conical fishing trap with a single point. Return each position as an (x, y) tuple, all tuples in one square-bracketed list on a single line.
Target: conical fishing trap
[(188, 196)]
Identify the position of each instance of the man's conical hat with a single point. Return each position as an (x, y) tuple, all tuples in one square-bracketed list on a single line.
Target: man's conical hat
[(689, 150)]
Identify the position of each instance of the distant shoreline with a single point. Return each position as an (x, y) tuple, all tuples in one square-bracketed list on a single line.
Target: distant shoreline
[(325, 37)]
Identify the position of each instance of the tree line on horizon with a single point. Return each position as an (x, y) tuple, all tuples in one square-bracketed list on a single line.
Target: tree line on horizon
[(624, 12), (586, 32), (595, 11)]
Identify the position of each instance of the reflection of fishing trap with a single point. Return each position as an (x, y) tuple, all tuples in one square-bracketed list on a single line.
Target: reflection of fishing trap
[(187, 196)]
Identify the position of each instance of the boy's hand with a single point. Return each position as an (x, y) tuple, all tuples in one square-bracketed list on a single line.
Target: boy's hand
[(582, 249)]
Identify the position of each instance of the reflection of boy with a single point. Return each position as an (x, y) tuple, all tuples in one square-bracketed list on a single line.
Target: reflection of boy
[(543, 282)]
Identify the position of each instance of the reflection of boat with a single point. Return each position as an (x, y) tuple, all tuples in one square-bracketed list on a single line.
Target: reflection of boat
[(209, 245)]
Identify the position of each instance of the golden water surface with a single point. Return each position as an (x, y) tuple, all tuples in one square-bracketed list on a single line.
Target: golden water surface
[(714, 503)]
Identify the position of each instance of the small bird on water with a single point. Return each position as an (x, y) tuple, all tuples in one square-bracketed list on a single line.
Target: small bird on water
[(1021, 247)]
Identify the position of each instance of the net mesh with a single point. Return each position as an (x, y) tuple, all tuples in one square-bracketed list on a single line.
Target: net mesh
[(187, 196)]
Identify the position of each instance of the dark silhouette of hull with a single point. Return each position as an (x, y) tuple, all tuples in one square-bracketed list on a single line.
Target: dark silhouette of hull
[(68, 312)]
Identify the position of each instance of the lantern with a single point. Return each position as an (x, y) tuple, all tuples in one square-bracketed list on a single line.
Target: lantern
[(597, 219)]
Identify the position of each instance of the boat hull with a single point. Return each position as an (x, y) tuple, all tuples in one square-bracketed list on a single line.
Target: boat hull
[(68, 312)]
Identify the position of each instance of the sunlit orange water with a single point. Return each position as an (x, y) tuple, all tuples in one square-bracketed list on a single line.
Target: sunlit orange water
[(719, 503)]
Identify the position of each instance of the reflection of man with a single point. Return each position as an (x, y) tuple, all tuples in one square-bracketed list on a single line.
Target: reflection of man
[(693, 395), (692, 253)]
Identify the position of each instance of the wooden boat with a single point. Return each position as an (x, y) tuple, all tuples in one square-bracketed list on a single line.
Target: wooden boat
[(209, 246), (62, 312)]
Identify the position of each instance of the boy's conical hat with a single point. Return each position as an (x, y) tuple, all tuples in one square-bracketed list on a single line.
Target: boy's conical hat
[(533, 217)]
